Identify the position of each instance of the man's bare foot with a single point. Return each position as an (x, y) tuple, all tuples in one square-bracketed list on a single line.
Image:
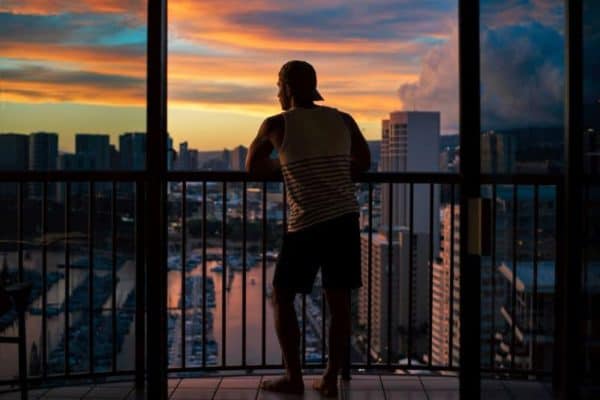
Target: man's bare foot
[(327, 388), (283, 385)]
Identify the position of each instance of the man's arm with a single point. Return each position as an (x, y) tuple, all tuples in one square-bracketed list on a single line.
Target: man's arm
[(360, 153), (258, 163)]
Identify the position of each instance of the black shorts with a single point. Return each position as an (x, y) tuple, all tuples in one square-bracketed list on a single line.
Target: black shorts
[(333, 245)]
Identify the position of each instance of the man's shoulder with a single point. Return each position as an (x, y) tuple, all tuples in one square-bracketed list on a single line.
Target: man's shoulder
[(346, 116), (273, 124)]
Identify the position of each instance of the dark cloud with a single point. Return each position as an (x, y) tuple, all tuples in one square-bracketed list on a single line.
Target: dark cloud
[(88, 29), (377, 20), (39, 74), (522, 73), (522, 76)]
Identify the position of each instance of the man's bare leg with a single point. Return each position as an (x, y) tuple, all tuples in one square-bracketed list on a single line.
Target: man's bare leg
[(288, 333), (339, 333)]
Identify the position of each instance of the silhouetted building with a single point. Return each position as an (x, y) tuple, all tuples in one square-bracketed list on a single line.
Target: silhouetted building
[(171, 153), (43, 156), (14, 151), (182, 162), (43, 151), (591, 148), (115, 160), (132, 151), (375, 149), (74, 162), (193, 159), (14, 156), (237, 160), (96, 147), (226, 157)]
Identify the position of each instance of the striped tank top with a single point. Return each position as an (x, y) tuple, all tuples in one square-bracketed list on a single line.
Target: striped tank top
[(315, 162)]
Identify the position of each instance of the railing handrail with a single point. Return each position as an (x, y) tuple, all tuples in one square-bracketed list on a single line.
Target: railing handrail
[(242, 176)]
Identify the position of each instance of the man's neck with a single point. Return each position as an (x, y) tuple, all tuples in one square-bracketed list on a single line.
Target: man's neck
[(303, 104)]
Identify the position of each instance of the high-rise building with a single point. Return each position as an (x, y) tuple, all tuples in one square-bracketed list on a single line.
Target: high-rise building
[(498, 153), (14, 151), (375, 149), (115, 158), (14, 156), (183, 158), (445, 325), (170, 153), (43, 151), (237, 159), (404, 303), (532, 319), (43, 156), (193, 159), (74, 162), (95, 147), (409, 143), (378, 294), (226, 157), (132, 151)]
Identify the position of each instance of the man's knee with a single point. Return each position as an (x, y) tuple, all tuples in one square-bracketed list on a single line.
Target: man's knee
[(339, 303)]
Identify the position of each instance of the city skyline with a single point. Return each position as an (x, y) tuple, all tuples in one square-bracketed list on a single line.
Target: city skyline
[(222, 73)]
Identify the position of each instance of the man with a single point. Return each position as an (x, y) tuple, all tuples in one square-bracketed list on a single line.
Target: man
[(319, 149)]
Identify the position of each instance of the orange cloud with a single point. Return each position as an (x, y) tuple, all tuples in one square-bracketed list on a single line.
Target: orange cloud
[(45, 7), (39, 92), (91, 58), (216, 62)]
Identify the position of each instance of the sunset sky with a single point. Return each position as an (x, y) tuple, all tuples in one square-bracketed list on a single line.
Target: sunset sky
[(79, 66)]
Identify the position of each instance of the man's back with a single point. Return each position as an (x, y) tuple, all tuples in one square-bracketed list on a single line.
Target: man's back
[(315, 157)]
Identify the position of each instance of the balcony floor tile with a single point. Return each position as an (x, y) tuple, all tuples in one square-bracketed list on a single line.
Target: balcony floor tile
[(360, 387)]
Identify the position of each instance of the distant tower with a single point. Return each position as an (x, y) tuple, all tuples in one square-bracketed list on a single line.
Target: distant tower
[(5, 278), (43, 156), (237, 160), (95, 147), (35, 365), (132, 151), (409, 143), (43, 151)]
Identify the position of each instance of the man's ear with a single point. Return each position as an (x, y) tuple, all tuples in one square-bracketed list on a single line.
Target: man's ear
[(288, 91)]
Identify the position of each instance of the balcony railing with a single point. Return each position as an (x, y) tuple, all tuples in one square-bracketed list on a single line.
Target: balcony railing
[(399, 284)]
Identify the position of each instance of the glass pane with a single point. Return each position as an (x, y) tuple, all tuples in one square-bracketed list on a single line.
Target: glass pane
[(522, 86), (394, 67), (72, 97), (393, 58), (73, 85), (591, 121), (522, 103)]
